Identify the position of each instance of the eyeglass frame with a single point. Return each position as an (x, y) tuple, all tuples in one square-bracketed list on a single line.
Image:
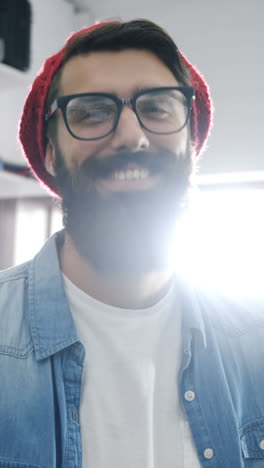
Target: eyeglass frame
[(61, 103)]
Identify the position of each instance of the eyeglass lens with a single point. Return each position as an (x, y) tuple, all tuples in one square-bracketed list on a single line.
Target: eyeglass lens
[(159, 111)]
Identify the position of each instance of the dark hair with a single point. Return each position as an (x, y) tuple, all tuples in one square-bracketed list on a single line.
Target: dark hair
[(115, 36)]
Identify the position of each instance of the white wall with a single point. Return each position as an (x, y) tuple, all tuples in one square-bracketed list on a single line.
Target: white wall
[(224, 39)]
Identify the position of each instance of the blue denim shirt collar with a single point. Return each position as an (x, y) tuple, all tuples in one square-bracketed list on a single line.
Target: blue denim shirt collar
[(192, 312), (52, 326)]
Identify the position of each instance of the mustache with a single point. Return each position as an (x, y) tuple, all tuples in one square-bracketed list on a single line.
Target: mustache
[(82, 177), (155, 162)]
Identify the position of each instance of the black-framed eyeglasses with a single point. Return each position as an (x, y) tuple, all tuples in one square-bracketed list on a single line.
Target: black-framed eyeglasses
[(92, 116)]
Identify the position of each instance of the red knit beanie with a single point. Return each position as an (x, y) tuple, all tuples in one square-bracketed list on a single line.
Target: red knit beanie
[(31, 131)]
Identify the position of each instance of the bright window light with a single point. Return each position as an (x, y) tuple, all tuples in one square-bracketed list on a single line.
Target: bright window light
[(31, 230), (56, 219), (220, 244)]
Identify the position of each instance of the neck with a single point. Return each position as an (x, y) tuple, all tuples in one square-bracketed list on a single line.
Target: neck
[(135, 291)]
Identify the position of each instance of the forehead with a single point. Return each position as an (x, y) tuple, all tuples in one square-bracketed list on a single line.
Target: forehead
[(122, 72)]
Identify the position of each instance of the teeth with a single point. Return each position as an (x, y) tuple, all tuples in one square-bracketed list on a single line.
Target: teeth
[(130, 174)]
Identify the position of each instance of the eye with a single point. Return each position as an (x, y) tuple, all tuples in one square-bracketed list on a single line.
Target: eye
[(90, 113), (154, 110)]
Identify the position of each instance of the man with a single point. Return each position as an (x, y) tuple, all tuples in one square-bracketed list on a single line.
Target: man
[(107, 359)]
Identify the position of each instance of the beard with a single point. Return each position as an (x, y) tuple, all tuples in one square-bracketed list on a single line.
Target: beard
[(124, 232)]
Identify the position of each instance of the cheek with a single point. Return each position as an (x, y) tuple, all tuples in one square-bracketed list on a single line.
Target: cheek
[(76, 151), (177, 142)]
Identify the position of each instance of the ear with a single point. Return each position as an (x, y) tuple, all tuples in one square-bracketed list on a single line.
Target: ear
[(50, 158)]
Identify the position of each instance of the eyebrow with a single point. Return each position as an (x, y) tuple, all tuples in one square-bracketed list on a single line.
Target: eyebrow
[(139, 89)]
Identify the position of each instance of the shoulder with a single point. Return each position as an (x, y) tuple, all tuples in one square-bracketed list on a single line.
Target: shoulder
[(228, 314), (12, 282), (232, 315), (12, 273)]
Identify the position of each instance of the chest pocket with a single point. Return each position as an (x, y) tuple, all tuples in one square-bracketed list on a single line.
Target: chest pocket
[(252, 439)]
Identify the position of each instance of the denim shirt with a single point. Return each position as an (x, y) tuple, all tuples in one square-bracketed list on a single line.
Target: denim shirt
[(221, 382)]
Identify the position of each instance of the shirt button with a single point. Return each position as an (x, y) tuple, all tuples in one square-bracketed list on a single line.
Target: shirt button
[(261, 444), (208, 453), (189, 395)]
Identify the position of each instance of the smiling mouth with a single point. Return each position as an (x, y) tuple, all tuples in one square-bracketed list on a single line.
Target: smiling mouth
[(128, 179), (130, 174)]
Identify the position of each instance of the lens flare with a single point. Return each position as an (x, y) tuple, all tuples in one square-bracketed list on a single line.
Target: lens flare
[(220, 243)]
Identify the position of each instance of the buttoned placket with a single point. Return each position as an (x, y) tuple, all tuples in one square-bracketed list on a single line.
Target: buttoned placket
[(73, 370), (190, 402)]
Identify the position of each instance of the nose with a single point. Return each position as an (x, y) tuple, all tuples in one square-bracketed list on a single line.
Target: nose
[(129, 135)]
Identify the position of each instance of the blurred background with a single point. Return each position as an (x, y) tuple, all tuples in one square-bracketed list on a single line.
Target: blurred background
[(225, 41)]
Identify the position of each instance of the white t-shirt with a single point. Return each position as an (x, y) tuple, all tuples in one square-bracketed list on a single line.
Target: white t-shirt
[(130, 412)]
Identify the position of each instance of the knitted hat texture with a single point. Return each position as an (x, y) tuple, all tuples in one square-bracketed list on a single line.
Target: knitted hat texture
[(31, 128)]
